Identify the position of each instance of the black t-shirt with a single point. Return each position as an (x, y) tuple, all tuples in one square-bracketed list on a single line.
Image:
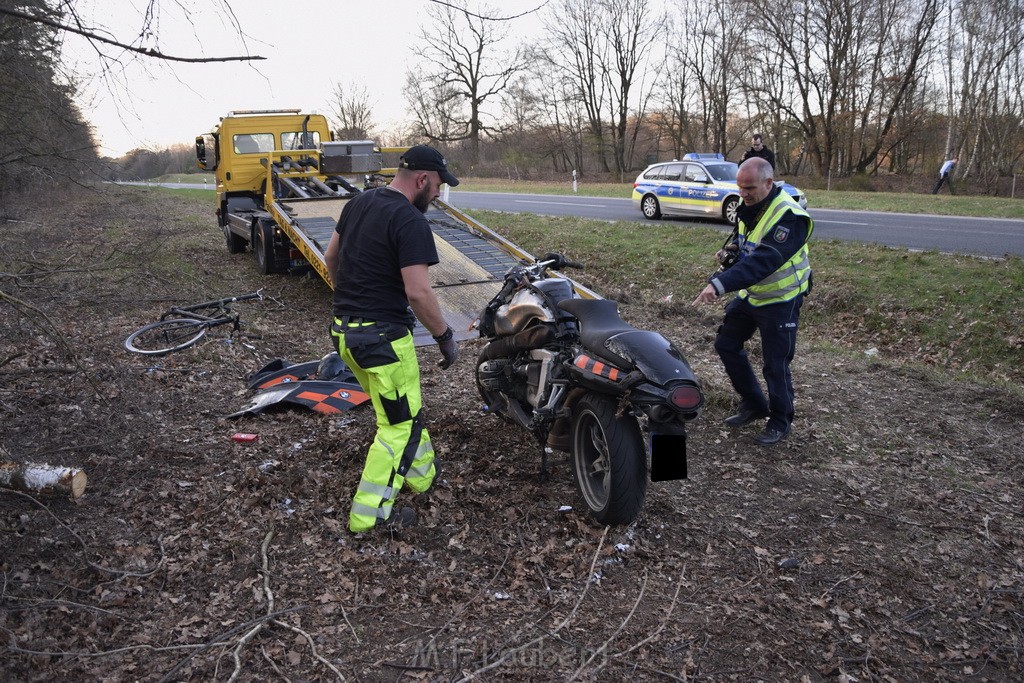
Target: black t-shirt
[(381, 232)]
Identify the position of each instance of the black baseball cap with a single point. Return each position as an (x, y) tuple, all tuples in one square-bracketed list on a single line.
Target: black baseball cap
[(426, 158)]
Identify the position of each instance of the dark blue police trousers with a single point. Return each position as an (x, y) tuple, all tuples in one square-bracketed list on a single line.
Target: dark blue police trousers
[(778, 325)]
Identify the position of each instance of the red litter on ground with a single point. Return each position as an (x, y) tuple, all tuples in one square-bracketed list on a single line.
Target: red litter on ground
[(244, 438)]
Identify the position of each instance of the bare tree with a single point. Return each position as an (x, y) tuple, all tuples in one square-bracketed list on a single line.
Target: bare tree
[(463, 62), (574, 48), (630, 30), (353, 112), (563, 124), (435, 106), (700, 86), (852, 64), (983, 41), (43, 136)]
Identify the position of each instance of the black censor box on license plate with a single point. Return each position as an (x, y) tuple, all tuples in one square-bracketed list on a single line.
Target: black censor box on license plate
[(668, 457)]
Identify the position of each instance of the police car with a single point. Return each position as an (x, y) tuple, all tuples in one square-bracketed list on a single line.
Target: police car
[(698, 184)]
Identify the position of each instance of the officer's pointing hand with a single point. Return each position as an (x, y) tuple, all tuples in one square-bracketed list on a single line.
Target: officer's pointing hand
[(706, 296)]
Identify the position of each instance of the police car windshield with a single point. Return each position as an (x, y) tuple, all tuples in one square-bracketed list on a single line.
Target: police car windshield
[(725, 170)]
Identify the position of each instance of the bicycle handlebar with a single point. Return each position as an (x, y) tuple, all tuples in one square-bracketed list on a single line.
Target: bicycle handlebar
[(258, 294)]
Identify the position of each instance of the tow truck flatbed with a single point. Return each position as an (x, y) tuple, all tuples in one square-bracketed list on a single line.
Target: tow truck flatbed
[(282, 182)]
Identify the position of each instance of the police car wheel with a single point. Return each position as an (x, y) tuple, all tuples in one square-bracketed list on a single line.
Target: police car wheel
[(731, 209), (649, 205)]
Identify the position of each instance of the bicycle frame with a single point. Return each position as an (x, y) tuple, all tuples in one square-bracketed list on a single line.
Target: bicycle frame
[(182, 326)]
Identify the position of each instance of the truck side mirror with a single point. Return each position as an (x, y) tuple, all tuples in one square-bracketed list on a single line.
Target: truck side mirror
[(206, 152)]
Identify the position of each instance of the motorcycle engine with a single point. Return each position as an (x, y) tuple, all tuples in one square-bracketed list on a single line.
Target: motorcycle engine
[(526, 379), (538, 376)]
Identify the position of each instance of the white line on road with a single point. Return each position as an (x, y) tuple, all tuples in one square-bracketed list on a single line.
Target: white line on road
[(527, 201), (922, 228)]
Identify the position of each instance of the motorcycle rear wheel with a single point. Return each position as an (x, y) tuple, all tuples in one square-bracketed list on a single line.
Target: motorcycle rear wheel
[(609, 460)]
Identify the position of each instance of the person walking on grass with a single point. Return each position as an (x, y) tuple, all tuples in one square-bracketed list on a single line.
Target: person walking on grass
[(945, 176)]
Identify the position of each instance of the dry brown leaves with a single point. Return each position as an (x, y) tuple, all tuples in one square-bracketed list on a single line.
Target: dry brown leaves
[(881, 541)]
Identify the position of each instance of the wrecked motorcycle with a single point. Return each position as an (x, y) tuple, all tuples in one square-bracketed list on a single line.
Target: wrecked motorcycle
[(583, 381)]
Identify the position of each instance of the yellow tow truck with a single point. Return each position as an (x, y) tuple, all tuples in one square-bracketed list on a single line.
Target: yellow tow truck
[(282, 182)]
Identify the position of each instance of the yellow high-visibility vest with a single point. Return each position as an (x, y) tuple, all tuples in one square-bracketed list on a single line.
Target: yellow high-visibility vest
[(790, 280)]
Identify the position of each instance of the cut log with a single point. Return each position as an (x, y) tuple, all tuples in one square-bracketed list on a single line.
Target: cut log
[(42, 478)]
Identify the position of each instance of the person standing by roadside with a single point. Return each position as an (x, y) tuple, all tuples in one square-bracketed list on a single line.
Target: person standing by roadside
[(758, 150), (378, 257), (945, 176), (772, 275)]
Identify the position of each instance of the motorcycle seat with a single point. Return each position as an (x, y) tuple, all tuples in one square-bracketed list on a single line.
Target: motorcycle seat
[(599, 321)]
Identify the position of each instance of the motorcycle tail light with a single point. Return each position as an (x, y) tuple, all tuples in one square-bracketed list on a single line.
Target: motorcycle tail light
[(686, 397)]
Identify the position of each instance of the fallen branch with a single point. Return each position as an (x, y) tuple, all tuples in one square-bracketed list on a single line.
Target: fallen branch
[(61, 340), (515, 651), (244, 640), (51, 369), (199, 647), (604, 646), (879, 515), (664, 622), (216, 641), (274, 666), (312, 647), (85, 547), (146, 51)]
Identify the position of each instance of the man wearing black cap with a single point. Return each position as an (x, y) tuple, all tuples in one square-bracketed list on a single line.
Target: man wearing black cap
[(378, 256)]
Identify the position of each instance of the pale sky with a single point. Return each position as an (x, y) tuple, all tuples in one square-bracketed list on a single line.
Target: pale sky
[(309, 45)]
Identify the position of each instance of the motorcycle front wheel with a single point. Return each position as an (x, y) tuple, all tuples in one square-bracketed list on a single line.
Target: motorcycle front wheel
[(609, 460)]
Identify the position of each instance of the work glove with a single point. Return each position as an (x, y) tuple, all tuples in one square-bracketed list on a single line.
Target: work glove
[(448, 348)]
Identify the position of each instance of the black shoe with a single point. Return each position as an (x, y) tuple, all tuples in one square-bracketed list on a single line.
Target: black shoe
[(744, 417), (770, 436), (400, 519)]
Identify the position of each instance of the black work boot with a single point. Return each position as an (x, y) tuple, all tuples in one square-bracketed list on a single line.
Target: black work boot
[(745, 416), (400, 518), (771, 436)]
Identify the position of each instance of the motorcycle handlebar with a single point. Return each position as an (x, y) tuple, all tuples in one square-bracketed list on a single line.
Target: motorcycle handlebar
[(515, 275), (557, 261)]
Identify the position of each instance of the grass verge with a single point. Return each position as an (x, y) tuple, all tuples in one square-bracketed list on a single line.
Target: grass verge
[(953, 312), (950, 312)]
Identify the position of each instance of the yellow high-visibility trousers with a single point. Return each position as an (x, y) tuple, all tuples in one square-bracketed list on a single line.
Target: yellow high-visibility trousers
[(383, 359)]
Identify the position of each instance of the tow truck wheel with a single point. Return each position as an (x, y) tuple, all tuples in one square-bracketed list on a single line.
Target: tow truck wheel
[(236, 244), (263, 247), (649, 205)]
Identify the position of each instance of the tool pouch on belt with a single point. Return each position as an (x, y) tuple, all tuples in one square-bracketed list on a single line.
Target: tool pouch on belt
[(370, 345)]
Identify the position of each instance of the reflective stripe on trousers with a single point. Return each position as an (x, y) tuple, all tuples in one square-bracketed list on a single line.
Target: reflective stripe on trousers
[(385, 365)]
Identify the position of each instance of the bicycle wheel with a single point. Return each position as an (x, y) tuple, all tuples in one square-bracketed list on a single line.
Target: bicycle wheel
[(159, 338)]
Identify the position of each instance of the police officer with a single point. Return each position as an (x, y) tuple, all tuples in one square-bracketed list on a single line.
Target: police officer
[(772, 274), (378, 256)]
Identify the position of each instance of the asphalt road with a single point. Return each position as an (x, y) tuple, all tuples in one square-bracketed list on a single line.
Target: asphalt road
[(978, 236), (950, 234)]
